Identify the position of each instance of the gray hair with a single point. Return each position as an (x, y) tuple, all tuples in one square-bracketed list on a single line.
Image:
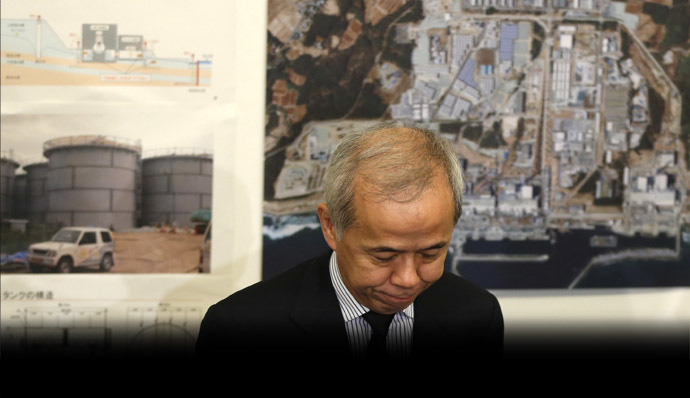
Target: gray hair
[(394, 160)]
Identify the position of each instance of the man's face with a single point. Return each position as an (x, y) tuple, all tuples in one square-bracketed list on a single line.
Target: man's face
[(394, 250)]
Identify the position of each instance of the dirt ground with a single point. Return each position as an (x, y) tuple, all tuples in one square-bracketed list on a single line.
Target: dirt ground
[(145, 252), (156, 252)]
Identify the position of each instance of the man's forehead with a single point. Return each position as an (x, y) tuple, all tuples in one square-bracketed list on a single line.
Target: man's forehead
[(421, 210), (369, 192)]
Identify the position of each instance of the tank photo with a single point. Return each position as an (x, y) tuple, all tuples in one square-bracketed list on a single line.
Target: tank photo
[(176, 184), (93, 205), (92, 180)]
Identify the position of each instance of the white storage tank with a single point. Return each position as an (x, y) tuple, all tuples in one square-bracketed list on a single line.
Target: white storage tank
[(93, 181), (36, 193), (176, 183)]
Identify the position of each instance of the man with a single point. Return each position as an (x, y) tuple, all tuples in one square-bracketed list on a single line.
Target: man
[(392, 197)]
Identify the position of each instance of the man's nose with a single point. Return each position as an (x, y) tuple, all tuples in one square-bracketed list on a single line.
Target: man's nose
[(405, 272)]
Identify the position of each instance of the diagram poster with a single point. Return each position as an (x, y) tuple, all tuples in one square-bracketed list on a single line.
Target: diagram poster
[(111, 118), (109, 113), (571, 120)]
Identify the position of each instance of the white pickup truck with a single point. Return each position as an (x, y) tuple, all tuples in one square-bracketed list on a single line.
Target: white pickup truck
[(73, 247)]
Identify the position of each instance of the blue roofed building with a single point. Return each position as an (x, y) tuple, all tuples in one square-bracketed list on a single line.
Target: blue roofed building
[(509, 32)]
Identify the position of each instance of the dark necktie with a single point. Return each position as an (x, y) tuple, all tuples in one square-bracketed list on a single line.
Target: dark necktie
[(379, 324)]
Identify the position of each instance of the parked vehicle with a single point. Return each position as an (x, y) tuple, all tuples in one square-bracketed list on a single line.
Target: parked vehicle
[(73, 247)]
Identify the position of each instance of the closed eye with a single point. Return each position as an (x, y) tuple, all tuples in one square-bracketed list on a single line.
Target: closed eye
[(386, 254), (432, 251), (385, 259), (383, 254)]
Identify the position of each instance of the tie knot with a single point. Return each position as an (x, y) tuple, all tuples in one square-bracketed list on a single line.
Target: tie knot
[(379, 322)]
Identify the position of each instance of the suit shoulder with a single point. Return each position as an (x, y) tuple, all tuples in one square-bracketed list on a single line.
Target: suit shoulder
[(454, 293), (275, 291), (454, 285), (465, 318)]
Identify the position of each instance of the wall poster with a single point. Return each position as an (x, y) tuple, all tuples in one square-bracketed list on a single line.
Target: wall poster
[(571, 120), (109, 118)]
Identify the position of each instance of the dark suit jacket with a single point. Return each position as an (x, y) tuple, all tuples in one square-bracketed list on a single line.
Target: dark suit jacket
[(297, 314)]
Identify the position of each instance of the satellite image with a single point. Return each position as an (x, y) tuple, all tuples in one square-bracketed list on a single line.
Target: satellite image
[(571, 119)]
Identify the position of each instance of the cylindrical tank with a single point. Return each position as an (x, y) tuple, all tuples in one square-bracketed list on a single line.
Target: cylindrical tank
[(36, 192), (19, 197), (7, 168), (175, 184), (92, 181)]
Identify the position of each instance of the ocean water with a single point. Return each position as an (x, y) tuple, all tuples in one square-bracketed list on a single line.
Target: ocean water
[(291, 240), (568, 259)]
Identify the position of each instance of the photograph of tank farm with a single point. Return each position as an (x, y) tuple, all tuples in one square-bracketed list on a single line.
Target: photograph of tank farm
[(567, 126), (101, 203)]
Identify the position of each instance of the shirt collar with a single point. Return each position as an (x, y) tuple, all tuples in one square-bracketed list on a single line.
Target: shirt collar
[(349, 306)]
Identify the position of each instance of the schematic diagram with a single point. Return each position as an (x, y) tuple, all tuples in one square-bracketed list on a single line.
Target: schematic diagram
[(34, 54), (101, 330), (162, 329)]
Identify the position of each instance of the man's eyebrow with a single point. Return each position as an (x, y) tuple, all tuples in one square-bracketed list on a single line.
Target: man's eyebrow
[(383, 249), (439, 245), (386, 249)]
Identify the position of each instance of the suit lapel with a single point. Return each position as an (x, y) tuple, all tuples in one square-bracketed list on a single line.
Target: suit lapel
[(316, 310), (427, 323), (447, 322)]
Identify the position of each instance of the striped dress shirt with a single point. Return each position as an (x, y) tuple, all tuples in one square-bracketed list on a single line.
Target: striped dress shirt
[(399, 340)]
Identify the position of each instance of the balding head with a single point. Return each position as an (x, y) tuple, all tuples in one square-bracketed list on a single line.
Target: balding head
[(391, 162)]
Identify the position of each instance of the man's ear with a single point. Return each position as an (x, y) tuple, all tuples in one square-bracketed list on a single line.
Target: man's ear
[(327, 227)]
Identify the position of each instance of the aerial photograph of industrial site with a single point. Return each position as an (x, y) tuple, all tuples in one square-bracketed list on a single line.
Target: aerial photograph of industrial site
[(571, 119)]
